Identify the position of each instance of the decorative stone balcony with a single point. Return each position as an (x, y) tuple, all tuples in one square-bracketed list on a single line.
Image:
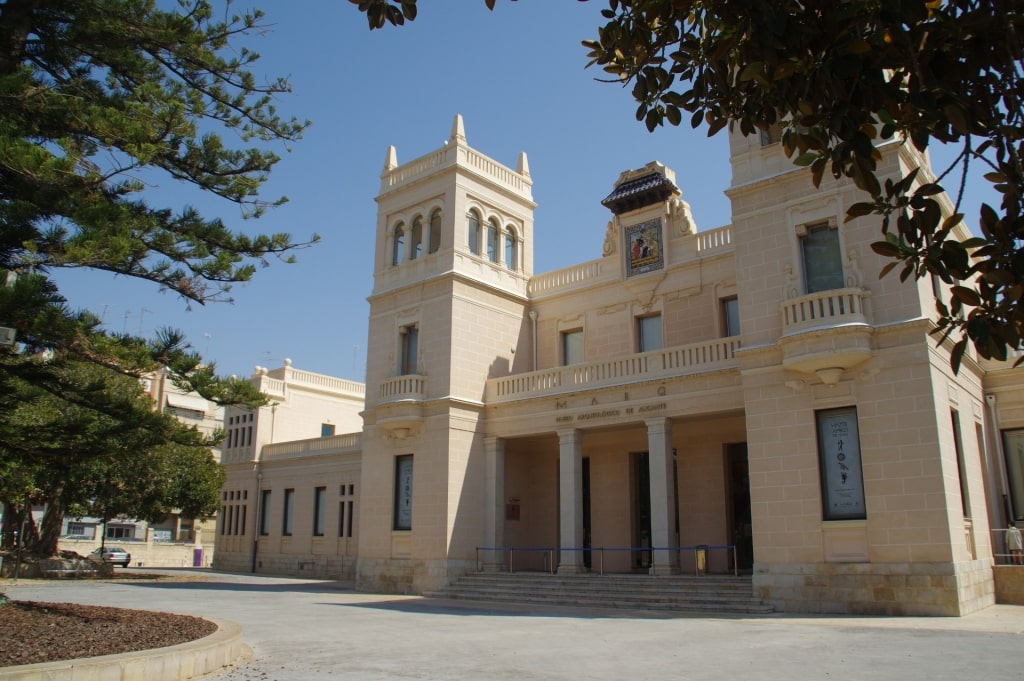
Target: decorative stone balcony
[(826, 333), (667, 363), (400, 404), (399, 388)]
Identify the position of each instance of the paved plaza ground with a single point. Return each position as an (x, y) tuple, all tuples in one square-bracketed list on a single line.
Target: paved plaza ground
[(311, 630)]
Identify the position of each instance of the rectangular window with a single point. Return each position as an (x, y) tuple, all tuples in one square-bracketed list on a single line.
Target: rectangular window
[(1013, 448), (572, 347), (403, 493), (349, 517), (78, 530), (319, 508), (822, 260), (648, 332), (772, 135), (289, 512), (265, 512), (730, 317), (410, 349), (961, 465), (345, 511), (492, 242), (842, 479), (326, 429)]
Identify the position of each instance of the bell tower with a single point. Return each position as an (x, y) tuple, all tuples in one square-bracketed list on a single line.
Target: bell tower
[(453, 256)]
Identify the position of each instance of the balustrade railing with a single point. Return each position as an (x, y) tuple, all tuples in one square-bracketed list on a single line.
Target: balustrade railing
[(405, 387), (308, 378), (676, 361), (448, 156), (714, 239), (565, 278), (825, 308), (334, 443)]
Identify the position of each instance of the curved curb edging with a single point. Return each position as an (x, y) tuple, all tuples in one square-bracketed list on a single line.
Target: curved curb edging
[(220, 649)]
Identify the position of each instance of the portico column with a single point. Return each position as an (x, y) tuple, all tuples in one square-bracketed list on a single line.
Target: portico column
[(663, 495), (494, 497), (570, 488)]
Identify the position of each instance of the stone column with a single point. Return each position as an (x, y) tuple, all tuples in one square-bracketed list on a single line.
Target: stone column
[(570, 490), (494, 503), (663, 495)]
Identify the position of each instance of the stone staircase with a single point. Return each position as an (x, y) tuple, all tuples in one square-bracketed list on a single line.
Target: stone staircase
[(707, 594)]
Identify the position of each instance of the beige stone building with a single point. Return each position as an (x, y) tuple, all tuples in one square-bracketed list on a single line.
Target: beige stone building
[(285, 463), (754, 390)]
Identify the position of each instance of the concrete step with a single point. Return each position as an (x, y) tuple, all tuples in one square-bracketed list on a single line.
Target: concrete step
[(724, 594)]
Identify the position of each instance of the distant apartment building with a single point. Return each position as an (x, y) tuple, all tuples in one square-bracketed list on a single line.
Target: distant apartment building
[(754, 388), (83, 534)]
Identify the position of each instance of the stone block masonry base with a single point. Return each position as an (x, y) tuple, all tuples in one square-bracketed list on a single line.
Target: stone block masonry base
[(894, 589), (1009, 584)]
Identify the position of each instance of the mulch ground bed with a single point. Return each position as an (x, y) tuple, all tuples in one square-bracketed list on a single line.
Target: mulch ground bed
[(47, 632)]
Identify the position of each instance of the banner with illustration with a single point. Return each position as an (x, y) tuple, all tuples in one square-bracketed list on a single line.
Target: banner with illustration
[(403, 492), (842, 479)]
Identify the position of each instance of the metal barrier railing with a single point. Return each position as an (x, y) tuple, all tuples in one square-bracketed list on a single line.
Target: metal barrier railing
[(700, 552)]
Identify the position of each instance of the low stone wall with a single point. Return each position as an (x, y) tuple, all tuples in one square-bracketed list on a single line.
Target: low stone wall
[(147, 554), (189, 660), (1009, 584)]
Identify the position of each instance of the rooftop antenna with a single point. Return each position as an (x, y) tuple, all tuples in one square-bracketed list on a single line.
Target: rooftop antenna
[(142, 313), (124, 330)]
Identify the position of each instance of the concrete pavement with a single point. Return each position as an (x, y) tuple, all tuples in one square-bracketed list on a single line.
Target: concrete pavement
[(311, 630)]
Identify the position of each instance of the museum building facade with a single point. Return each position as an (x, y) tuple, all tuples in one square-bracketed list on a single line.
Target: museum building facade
[(754, 390)]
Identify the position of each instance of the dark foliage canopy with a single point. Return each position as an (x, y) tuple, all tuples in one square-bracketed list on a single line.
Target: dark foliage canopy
[(100, 102)]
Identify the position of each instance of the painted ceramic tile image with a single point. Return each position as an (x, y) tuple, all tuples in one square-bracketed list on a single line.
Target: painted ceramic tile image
[(644, 248)]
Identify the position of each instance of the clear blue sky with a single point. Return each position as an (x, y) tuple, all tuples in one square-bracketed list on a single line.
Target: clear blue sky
[(515, 74)]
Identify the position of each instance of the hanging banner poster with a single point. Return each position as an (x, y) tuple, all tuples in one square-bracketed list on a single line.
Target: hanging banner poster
[(403, 493), (842, 479)]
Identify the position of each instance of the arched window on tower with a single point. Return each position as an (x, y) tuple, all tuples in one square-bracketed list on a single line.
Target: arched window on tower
[(435, 232), (398, 244), (473, 232), (492, 240), (416, 241), (511, 249)]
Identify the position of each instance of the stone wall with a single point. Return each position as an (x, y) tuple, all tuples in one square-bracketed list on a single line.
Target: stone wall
[(147, 554), (894, 589), (1009, 581)]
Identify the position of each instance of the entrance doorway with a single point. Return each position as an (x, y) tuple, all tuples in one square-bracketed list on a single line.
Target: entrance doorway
[(738, 480), (641, 494), (586, 512)]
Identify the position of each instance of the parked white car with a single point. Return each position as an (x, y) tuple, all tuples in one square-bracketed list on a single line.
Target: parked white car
[(112, 554)]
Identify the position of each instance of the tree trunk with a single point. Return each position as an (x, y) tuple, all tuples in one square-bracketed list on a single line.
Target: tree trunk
[(12, 523), (15, 25), (53, 521)]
